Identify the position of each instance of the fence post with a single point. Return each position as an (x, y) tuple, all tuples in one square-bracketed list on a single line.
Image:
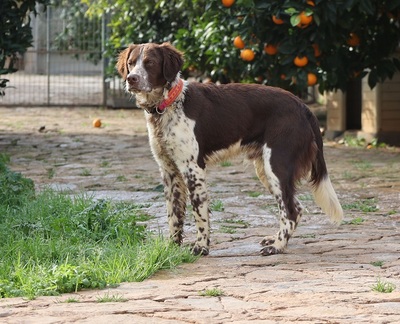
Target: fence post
[(103, 61), (48, 17)]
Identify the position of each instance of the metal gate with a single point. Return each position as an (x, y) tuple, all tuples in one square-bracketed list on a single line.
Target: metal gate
[(65, 66)]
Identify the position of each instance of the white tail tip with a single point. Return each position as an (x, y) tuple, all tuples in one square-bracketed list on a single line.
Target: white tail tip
[(326, 198)]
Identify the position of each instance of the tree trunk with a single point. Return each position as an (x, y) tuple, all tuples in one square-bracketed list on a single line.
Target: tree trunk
[(353, 105)]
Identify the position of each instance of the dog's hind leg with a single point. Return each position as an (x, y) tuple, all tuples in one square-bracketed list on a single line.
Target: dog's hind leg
[(282, 188)]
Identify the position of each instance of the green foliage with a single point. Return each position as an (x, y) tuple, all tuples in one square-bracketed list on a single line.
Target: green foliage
[(80, 32), (15, 33), (107, 298), (364, 205), (53, 242), (383, 286), (377, 263), (212, 292), (205, 31), (217, 205), (374, 22), (14, 188)]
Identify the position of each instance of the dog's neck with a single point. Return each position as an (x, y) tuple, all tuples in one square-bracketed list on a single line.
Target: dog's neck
[(158, 100)]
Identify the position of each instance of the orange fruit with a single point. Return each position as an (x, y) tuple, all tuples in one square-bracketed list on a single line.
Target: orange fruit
[(247, 55), (97, 122), (300, 61), (311, 3), (277, 20), (353, 40), (317, 51), (311, 79), (228, 3), (238, 42), (304, 20), (270, 49)]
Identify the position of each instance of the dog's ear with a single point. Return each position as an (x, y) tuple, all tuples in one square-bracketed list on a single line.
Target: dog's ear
[(173, 61), (122, 64)]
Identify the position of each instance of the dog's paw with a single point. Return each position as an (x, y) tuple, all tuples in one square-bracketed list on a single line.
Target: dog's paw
[(267, 241), (270, 250), (200, 250)]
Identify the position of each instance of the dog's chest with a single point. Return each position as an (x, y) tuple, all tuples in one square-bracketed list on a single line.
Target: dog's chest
[(172, 136)]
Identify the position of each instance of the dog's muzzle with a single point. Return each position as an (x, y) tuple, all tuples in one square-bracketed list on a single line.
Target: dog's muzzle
[(136, 82)]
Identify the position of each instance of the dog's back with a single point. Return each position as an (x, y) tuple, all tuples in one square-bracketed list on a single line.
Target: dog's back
[(191, 124)]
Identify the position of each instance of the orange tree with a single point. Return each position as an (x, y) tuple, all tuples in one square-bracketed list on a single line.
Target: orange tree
[(329, 42), (287, 43)]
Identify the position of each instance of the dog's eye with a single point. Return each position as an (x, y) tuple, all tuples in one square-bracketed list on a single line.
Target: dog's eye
[(149, 62), (131, 63)]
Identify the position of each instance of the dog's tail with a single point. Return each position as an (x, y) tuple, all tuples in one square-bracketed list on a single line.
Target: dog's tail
[(324, 194)]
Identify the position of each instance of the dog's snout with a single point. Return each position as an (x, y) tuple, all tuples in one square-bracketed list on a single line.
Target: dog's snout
[(133, 78)]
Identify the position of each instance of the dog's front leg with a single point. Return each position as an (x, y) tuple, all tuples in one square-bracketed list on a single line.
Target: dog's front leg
[(175, 192), (196, 182)]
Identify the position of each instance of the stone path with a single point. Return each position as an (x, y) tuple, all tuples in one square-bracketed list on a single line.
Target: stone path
[(325, 276)]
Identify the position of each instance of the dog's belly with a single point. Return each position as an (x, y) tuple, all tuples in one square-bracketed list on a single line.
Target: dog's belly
[(250, 151)]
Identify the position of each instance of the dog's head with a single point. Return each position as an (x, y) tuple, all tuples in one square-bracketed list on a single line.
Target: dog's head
[(146, 67)]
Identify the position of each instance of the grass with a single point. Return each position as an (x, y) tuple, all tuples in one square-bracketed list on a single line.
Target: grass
[(212, 292), (217, 205), (226, 164), (383, 286), (51, 173), (239, 222), (107, 298), (255, 194), (85, 172), (353, 141), (54, 243), (228, 230), (377, 263), (365, 205), (354, 221)]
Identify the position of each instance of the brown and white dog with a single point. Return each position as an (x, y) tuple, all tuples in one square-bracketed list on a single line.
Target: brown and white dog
[(191, 124)]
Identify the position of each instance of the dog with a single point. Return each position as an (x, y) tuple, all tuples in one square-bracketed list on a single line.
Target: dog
[(192, 124)]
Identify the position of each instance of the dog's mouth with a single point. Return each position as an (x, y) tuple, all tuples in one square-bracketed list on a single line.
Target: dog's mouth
[(138, 89)]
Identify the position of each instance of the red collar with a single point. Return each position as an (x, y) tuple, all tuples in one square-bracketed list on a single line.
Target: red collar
[(172, 95)]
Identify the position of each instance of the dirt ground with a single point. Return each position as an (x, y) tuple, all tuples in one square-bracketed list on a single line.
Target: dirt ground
[(325, 276)]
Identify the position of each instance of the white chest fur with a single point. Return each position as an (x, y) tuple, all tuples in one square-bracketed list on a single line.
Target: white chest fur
[(172, 137)]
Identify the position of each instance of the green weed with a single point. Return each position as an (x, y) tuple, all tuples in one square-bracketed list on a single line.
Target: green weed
[(239, 222), (217, 205), (228, 229), (107, 298), (50, 173), (377, 263), (213, 292), (354, 221), (383, 286), (121, 178), (255, 194), (365, 205), (105, 164), (226, 164), (85, 172)]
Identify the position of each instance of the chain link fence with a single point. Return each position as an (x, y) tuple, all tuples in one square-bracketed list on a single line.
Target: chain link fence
[(65, 66)]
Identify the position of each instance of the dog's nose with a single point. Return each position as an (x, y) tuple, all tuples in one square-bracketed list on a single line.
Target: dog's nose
[(133, 78)]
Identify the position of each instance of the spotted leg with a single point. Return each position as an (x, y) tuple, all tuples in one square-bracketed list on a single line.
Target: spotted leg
[(196, 183), (290, 209), (175, 195)]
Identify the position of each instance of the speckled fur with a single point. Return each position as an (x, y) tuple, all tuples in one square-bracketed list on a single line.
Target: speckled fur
[(208, 123)]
